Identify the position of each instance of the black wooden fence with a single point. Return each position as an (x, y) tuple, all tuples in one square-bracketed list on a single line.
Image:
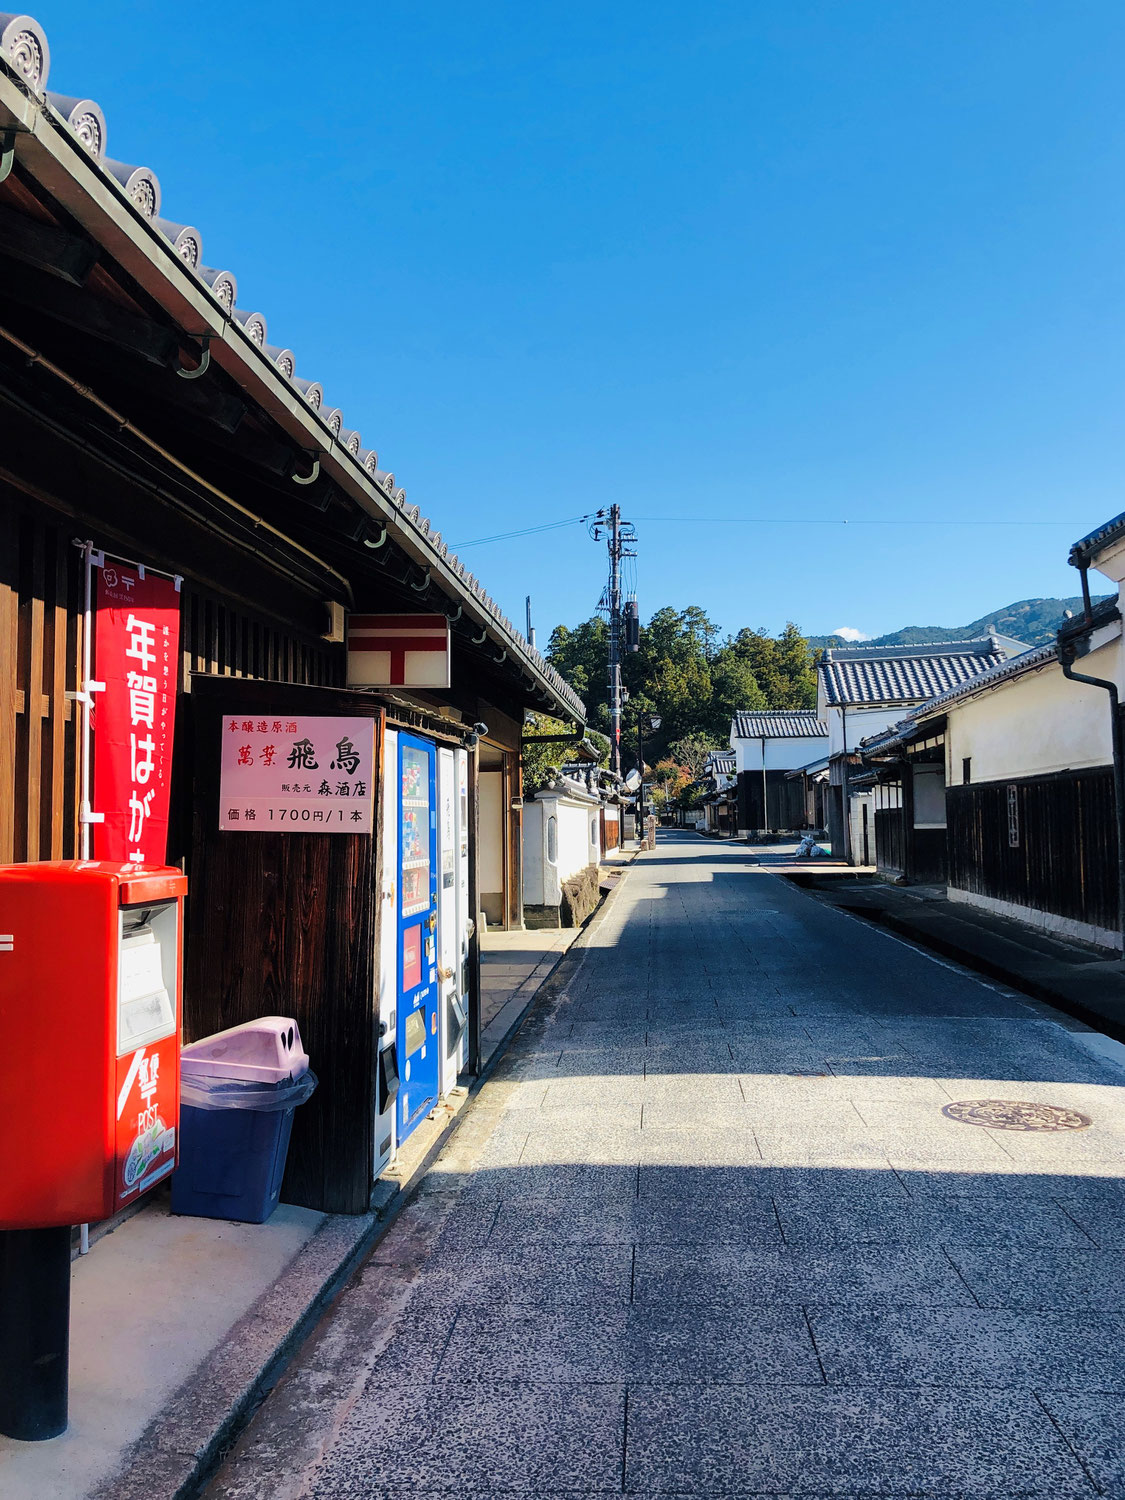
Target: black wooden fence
[(1046, 842)]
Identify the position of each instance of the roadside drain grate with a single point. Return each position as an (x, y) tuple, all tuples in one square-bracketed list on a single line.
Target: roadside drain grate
[(1016, 1114)]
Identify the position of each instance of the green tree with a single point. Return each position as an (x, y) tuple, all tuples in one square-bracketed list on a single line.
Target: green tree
[(797, 663), (685, 673), (539, 761), (733, 687), (581, 655), (693, 749)]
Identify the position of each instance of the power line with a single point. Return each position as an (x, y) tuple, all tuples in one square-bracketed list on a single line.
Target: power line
[(503, 536), (833, 521)]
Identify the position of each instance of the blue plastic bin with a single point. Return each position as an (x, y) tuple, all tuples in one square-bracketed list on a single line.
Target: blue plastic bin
[(239, 1089)]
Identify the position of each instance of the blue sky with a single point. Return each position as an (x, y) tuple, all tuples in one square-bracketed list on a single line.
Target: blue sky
[(801, 261)]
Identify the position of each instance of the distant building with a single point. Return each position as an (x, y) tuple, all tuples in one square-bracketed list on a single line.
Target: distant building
[(720, 795), (862, 690), (767, 746)]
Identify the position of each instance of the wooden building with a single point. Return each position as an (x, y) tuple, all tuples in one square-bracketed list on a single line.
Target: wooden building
[(902, 772), (146, 413), (767, 747), (720, 798), (864, 690)]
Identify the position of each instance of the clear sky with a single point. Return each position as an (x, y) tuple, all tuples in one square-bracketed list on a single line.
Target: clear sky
[(794, 260)]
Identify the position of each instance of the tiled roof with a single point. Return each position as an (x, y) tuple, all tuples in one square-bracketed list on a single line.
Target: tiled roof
[(26, 57), (896, 734), (721, 764), (1083, 551), (1005, 671), (903, 679), (785, 724)]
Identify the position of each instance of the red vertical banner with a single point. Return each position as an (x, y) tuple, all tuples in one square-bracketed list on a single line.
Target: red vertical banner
[(136, 646)]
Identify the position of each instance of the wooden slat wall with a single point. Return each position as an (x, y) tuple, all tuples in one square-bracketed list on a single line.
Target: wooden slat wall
[(1065, 860), (222, 640), (41, 603), (40, 649), (890, 842)]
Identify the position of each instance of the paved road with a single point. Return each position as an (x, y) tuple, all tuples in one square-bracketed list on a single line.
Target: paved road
[(709, 1232)]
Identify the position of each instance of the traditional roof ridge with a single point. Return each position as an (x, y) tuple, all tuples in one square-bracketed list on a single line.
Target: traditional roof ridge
[(1096, 541), (905, 648), (787, 724), (25, 59)]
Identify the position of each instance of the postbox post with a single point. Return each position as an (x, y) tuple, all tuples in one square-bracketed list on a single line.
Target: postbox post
[(34, 1332)]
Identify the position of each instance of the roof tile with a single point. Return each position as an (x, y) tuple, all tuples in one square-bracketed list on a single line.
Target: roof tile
[(905, 679), (791, 724)]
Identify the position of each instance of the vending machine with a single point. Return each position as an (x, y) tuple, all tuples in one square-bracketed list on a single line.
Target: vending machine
[(388, 1082), (453, 910), (91, 963), (416, 1000)]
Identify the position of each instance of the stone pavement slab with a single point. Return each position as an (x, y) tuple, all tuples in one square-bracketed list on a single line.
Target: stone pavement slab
[(1051, 1280), (731, 1440), (725, 1276), (978, 1347), (1094, 1425), (492, 1436)]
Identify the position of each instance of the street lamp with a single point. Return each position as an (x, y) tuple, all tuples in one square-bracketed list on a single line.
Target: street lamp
[(650, 722)]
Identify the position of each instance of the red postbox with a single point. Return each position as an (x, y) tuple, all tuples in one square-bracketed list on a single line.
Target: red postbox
[(90, 990)]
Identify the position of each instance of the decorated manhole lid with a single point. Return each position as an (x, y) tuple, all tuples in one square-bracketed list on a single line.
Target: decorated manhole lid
[(1016, 1114)]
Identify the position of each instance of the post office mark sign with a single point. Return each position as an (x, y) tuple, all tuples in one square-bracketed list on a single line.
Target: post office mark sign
[(297, 774)]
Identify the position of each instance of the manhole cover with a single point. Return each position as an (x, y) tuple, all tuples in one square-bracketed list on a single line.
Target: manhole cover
[(1016, 1114)]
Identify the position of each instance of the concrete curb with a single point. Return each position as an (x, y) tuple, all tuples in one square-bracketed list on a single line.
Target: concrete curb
[(179, 1452)]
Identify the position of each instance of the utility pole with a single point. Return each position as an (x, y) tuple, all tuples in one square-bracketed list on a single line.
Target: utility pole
[(615, 637), (530, 626), (618, 534)]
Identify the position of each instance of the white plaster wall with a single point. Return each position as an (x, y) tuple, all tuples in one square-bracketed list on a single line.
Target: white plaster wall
[(859, 723), (577, 848), (856, 803), (1034, 725), (574, 837), (1111, 564), (929, 798), (593, 836), (534, 854), (781, 755)]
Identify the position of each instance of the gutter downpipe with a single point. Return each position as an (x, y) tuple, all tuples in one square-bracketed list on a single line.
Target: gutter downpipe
[(1066, 661)]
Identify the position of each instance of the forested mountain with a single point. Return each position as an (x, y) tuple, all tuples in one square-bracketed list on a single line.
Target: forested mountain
[(1032, 621), (688, 674)]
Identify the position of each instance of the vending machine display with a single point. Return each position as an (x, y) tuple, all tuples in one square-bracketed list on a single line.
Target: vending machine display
[(416, 1001)]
